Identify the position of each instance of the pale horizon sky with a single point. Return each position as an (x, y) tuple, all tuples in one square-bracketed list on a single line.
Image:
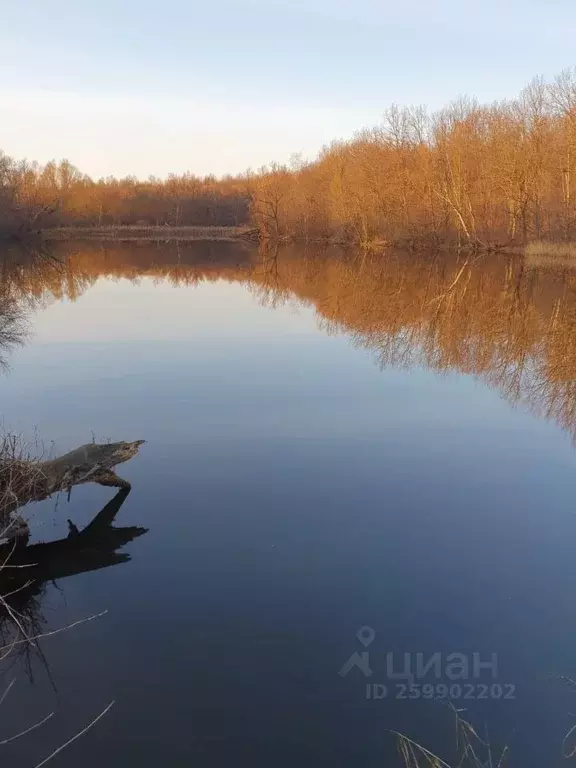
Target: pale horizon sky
[(134, 87)]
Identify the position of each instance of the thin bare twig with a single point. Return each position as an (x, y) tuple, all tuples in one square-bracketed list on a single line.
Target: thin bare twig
[(7, 691), (77, 736), (54, 631), (31, 728)]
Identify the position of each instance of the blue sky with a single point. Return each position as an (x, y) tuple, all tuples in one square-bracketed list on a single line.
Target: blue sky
[(131, 86)]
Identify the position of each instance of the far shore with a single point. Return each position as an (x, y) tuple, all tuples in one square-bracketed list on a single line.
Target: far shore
[(543, 252), (162, 233)]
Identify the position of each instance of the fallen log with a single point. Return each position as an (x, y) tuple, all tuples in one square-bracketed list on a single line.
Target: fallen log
[(25, 481), (90, 463)]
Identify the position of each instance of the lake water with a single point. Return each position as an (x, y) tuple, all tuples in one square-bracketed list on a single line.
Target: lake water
[(334, 442)]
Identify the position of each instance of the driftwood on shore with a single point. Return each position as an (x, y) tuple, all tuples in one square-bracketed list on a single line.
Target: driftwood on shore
[(24, 481)]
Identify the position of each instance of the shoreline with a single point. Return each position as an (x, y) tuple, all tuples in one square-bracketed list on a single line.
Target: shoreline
[(131, 233), (534, 251)]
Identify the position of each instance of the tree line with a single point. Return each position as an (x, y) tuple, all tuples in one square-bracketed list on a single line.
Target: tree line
[(472, 174), (58, 195)]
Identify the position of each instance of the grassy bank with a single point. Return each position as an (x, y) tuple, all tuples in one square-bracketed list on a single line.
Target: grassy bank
[(551, 255), (542, 249), (147, 233)]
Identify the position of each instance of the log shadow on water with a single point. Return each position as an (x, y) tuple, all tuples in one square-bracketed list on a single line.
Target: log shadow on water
[(26, 569)]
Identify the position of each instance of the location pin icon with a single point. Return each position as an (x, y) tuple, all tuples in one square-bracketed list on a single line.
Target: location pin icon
[(366, 635)]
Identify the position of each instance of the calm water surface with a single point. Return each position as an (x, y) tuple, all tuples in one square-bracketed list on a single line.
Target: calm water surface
[(333, 442)]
